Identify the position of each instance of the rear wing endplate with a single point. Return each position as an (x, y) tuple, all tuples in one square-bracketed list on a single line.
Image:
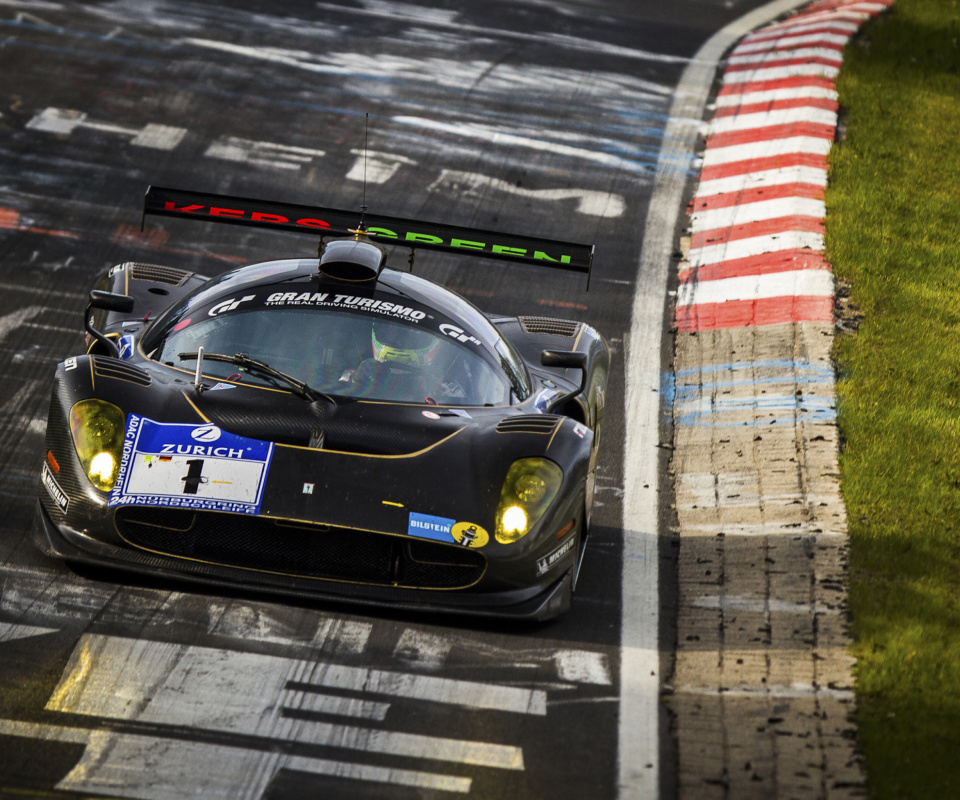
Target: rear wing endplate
[(386, 230)]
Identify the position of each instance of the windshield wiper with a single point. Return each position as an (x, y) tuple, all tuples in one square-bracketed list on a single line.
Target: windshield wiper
[(244, 361)]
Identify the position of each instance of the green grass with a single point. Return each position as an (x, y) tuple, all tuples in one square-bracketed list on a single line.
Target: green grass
[(893, 232)]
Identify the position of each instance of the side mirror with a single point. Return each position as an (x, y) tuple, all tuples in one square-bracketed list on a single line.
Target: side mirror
[(566, 359), (108, 301)]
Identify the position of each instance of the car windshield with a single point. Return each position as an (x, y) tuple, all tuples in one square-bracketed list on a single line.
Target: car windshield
[(341, 353)]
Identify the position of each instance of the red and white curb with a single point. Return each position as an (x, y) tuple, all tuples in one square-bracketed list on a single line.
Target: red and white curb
[(756, 251)]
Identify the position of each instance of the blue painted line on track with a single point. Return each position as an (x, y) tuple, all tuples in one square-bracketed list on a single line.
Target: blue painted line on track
[(683, 391), (694, 404)]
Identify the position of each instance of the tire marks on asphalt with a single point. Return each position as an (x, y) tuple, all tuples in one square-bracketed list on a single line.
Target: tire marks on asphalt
[(156, 715)]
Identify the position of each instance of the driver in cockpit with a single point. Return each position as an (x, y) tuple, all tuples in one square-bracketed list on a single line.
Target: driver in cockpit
[(403, 366)]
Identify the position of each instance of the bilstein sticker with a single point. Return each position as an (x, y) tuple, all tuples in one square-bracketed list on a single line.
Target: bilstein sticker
[(426, 526)]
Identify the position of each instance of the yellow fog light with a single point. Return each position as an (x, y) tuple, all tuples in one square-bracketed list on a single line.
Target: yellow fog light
[(527, 491), (97, 429)]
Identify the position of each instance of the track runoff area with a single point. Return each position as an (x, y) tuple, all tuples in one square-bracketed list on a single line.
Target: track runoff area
[(761, 690)]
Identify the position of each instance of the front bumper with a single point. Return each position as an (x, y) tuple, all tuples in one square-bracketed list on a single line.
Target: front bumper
[(534, 603)]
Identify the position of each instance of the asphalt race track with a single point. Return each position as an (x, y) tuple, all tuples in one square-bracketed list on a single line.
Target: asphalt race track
[(531, 116)]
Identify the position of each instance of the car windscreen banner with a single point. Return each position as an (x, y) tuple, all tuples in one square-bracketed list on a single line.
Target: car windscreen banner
[(386, 230)]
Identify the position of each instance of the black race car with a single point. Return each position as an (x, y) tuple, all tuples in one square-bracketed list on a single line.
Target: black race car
[(328, 426)]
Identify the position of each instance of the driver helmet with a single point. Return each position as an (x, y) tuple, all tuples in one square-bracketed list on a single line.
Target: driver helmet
[(403, 344)]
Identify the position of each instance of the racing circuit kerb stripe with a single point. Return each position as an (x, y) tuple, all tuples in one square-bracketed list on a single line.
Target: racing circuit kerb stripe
[(388, 230), (756, 254)]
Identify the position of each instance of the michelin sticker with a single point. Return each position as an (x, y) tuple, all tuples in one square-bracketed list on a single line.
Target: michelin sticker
[(548, 562), (53, 489), (190, 466)]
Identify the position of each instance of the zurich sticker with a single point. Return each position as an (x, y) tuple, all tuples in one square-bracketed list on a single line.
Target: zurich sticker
[(190, 466)]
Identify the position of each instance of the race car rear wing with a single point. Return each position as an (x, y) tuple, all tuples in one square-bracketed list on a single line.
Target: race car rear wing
[(410, 233)]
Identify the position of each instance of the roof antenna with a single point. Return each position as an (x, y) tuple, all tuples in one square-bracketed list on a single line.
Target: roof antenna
[(363, 202)]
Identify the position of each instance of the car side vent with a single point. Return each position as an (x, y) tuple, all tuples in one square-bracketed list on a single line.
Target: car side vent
[(157, 273), (111, 368), (529, 423), (548, 325)]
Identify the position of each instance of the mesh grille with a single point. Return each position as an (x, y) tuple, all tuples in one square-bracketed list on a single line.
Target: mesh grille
[(118, 370), (157, 273), (554, 327), (315, 551), (528, 423)]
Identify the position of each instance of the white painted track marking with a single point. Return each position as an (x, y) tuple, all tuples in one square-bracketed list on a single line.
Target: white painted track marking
[(374, 167), (213, 772), (638, 754), (754, 246), (779, 73), (762, 179), (784, 54), (63, 121), (800, 283), (421, 649), (158, 137), (766, 119), (110, 662), (591, 203), (244, 694), (11, 633), (333, 704), (579, 666), (832, 24), (787, 39), (749, 98), (758, 211), (10, 322), (771, 147), (265, 154), (350, 636), (502, 138)]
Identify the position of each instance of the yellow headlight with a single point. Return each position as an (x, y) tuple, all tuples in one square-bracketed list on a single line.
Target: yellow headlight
[(514, 520), (97, 429), (102, 467), (527, 491)]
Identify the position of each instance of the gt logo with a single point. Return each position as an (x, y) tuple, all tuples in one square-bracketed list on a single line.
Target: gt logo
[(228, 305), (457, 333)]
